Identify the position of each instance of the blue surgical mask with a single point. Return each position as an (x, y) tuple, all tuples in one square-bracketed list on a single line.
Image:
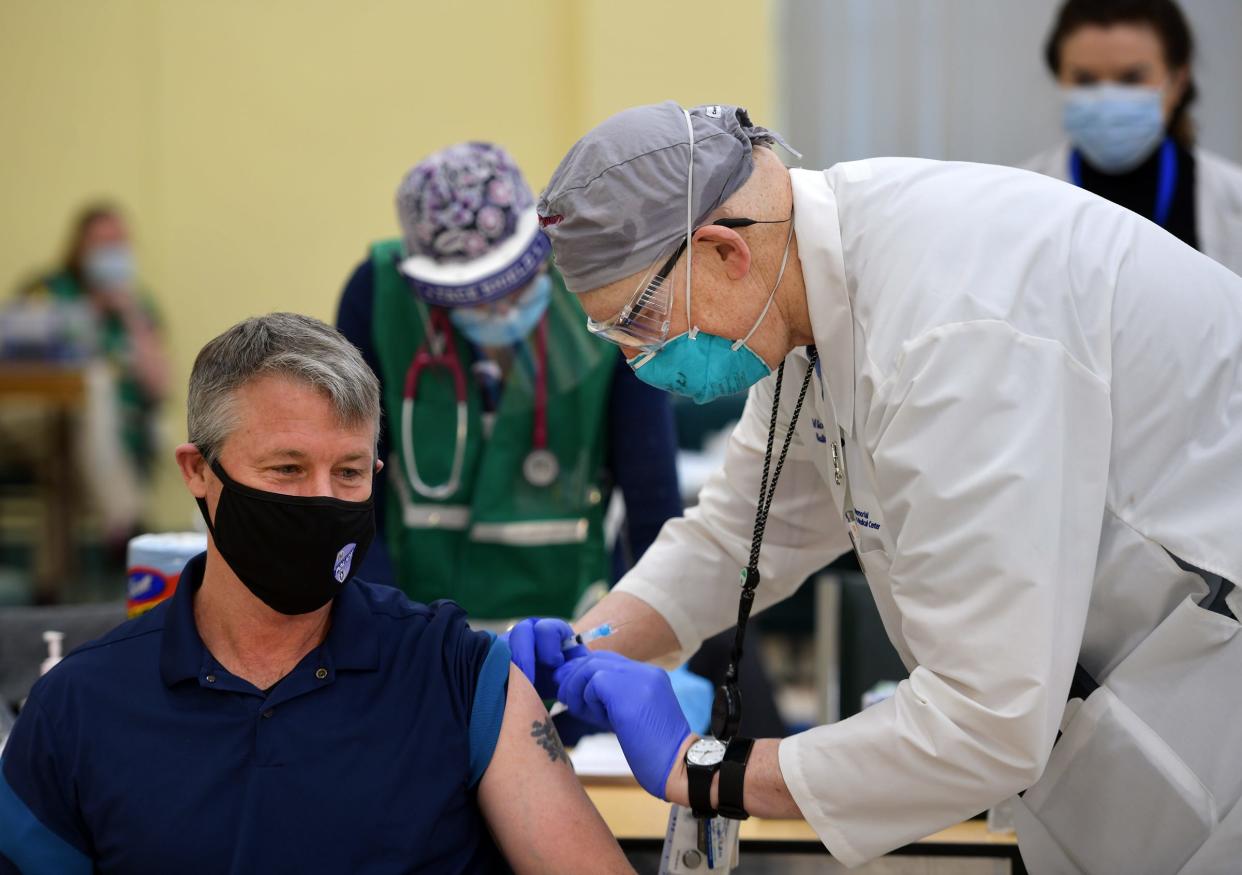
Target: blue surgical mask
[(489, 328), (109, 266), (1116, 127)]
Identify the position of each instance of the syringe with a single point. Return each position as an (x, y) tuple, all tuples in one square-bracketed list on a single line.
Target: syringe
[(601, 631)]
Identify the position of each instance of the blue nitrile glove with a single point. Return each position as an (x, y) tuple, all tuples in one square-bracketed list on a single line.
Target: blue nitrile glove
[(636, 701), (695, 694), (535, 644)]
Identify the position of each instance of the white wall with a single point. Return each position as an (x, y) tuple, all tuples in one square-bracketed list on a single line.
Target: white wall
[(958, 79)]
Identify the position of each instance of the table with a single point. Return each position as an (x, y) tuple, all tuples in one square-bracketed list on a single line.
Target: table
[(62, 386), (63, 389), (639, 820)]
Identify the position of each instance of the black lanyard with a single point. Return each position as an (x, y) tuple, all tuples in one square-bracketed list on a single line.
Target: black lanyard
[(727, 710)]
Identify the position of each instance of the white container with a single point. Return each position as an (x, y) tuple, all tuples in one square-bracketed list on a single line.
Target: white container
[(155, 562), (55, 642)]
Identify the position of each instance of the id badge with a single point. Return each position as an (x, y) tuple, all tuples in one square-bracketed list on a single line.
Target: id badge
[(685, 854)]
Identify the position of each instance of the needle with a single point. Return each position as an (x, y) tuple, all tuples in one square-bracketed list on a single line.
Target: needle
[(601, 631)]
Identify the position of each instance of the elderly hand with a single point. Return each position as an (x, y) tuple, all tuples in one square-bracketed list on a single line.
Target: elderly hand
[(535, 644), (636, 701)]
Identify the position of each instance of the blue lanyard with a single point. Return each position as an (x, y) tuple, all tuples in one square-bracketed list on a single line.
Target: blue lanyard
[(1166, 184)]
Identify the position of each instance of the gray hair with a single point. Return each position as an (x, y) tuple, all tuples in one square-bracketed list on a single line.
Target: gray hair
[(284, 344)]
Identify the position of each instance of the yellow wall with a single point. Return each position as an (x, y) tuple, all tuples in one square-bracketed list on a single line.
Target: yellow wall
[(257, 143)]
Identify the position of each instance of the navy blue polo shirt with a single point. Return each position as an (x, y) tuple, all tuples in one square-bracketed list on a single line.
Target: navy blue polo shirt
[(140, 753)]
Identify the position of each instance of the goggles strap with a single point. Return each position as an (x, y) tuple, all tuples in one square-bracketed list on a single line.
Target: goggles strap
[(780, 275), (640, 360), (692, 330)]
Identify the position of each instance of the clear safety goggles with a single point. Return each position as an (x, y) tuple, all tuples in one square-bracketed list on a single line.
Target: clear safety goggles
[(643, 322)]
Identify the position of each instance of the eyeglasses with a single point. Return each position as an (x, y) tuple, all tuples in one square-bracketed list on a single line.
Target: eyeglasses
[(643, 323)]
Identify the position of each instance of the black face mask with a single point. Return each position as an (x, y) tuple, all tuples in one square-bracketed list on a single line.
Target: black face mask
[(293, 552)]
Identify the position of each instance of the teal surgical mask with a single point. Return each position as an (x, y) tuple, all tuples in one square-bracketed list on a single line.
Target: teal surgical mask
[(704, 366), (483, 327)]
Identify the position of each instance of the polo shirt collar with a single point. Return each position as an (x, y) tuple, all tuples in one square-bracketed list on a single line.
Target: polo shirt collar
[(827, 295), (181, 651), (351, 643)]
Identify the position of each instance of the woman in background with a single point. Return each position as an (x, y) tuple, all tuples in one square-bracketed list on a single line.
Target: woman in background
[(1125, 71), (112, 324)]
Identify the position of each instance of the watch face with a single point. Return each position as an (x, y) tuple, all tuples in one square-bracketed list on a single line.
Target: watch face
[(706, 752)]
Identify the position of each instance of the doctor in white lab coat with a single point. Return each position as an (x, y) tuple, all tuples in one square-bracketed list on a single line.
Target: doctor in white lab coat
[(1026, 417)]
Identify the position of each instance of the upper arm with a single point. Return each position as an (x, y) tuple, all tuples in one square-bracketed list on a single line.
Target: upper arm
[(40, 831), (151, 310), (532, 800)]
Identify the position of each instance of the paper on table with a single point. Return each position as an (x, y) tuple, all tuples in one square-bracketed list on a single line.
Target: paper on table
[(599, 756)]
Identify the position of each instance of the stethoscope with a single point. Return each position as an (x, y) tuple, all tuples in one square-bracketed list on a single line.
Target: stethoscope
[(1165, 185), (540, 467)]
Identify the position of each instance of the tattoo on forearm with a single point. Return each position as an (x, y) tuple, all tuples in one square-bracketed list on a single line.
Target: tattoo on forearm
[(545, 736)]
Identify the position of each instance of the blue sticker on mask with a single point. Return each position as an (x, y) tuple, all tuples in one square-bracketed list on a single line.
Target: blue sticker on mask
[(344, 560)]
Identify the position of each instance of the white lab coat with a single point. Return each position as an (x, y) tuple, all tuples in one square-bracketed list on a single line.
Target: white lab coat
[(1035, 398), (1218, 200)]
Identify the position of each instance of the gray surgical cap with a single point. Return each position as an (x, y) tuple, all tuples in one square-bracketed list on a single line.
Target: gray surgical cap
[(617, 202)]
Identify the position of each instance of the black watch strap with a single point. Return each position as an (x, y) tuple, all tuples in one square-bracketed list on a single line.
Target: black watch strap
[(700, 786), (733, 778)]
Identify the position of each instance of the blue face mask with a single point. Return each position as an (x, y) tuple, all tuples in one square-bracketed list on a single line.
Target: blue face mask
[(703, 368), (1116, 127), (109, 266), (487, 328)]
